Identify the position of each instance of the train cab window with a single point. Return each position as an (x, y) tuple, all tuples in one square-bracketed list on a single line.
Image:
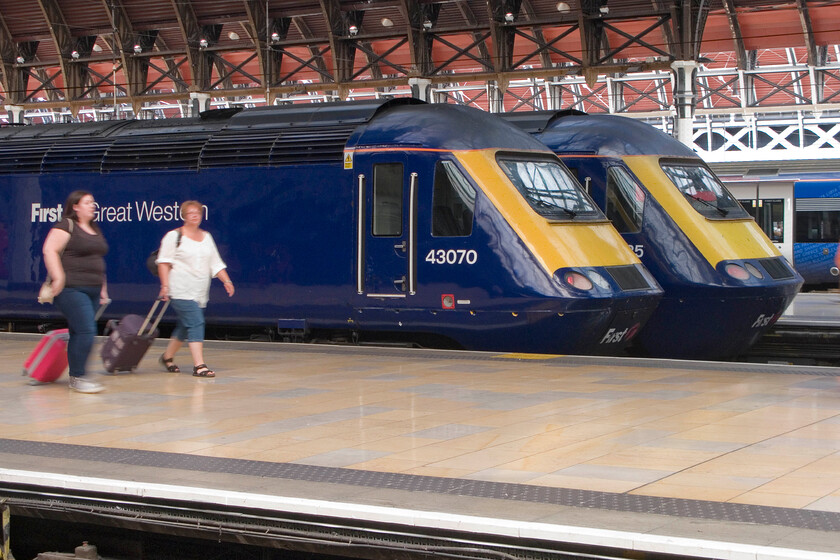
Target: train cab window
[(549, 187), (388, 199), (625, 201), (704, 191), (453, 202)]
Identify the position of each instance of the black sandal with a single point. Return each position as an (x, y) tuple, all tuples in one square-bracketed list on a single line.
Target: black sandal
[(168, 365), (201, 370)]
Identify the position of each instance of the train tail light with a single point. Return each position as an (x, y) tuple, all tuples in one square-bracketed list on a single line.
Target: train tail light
[(737, 272), (577, 280)]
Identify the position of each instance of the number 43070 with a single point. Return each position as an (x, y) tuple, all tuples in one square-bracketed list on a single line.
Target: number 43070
[(452, 256)]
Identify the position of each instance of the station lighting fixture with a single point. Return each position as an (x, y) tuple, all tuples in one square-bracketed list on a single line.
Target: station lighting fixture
[(387, 22), (427, 24), (20, 60), (203, 43), (97, 48), (353, 30), (604, 10), (138, 49), (275, 37), (233, 36), (563, 7), (509, 17)]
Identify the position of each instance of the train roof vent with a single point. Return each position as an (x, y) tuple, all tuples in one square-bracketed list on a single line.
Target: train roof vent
[(150, 152), (628, 277), (311, 145), (23, 158), (776, 268), (232, 148), (75, 157), (287, 146)]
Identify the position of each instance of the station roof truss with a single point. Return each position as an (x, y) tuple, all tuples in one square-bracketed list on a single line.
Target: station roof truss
[(150, 58)]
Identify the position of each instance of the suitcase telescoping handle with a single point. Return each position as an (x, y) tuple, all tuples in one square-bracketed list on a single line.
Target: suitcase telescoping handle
[(101, 309), (157, 319)]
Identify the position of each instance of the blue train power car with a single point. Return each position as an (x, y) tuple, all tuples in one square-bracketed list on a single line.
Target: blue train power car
[(392, 219), (725, 282)]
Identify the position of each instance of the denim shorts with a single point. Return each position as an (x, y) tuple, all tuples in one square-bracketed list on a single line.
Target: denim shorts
[(189, 325)]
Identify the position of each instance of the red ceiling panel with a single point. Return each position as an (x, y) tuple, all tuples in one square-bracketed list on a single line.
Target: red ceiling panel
[(768, 28)]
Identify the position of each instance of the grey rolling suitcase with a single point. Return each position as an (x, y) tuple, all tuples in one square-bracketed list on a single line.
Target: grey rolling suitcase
[(129, 339)]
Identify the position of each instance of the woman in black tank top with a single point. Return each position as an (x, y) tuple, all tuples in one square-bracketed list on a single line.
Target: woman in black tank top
[(74, 254)]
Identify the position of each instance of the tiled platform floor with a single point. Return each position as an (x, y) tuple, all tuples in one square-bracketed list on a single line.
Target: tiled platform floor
[(714, 434)]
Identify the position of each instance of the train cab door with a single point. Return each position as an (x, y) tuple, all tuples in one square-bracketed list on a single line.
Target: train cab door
[(386, 243)]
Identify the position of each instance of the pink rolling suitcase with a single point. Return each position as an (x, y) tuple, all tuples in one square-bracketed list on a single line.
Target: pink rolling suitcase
[(49, 359)]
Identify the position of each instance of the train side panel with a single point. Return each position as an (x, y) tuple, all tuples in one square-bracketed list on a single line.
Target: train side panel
[(816, 230), (326, 217)]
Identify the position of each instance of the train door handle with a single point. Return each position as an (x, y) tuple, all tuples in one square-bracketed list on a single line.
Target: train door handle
[(402, 246), (400, 283)]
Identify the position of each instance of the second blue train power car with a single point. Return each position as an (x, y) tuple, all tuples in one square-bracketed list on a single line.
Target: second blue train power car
[(383, 219), (725, 282)]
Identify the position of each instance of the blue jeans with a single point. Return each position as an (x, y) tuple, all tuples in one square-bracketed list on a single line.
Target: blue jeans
[(78, 304), (189, 325)]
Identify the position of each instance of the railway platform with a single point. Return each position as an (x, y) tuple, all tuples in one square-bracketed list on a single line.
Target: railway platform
[(808, 332), (813, 309), (336, 448)]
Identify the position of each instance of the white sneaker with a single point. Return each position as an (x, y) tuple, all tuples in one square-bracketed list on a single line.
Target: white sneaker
[(82, 385)]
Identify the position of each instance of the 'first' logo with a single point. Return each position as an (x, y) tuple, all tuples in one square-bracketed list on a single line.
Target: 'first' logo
[(40, 214)]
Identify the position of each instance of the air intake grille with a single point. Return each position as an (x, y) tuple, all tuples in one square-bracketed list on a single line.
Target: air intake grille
[(776, 268), (151, 152), (238, 148), (628, 277), (75, 157), (277, 146), (311, 145), (23, 158)]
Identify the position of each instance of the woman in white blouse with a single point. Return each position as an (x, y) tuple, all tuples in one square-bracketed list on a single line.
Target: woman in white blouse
[(187, 261)]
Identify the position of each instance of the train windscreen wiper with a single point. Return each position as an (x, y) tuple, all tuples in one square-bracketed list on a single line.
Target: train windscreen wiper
[(541, 204), (721, 211)]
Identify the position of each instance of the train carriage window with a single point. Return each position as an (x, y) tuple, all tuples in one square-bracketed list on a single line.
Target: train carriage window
[(453, 202), (548, 187), (388, 199), (625, 201), (769, 214), (704, 191), (817, 226)]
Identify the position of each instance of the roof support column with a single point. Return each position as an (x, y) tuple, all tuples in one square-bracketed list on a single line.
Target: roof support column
[(421, 88), (685, 99), (495, 97), (200, 102), (15, 113)]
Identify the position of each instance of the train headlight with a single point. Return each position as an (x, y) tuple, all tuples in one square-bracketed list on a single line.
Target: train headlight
[(752, 269), (598, 280), (737, 272), (577, 280)]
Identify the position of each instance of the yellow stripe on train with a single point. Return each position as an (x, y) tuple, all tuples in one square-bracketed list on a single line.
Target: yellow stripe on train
[(554, 244), (717, 240)]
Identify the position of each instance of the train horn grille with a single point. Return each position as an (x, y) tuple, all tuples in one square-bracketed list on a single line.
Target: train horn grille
[(628, 277), (776, 268)]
